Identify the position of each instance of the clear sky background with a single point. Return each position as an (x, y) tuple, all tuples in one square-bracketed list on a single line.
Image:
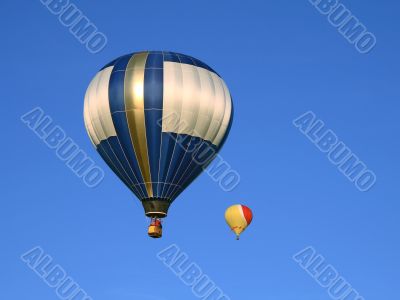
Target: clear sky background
[(279, 59)]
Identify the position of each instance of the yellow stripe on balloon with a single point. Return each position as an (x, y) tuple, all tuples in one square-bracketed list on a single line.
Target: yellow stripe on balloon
[(134, 106), (235, 219)]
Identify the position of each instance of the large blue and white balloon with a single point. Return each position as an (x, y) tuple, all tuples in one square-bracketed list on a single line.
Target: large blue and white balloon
[(157, 118)]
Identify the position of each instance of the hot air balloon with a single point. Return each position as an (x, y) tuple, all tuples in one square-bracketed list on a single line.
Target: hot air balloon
[(238, 217), (157, 119)]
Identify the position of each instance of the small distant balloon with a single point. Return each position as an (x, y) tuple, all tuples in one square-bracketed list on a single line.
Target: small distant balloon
[(238, 217)]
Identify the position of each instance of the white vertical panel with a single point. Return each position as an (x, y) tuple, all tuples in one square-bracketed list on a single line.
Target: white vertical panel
[(88, 125), (219, 108), (196, 102), (206, 109), (103, 103), (226, 118), (172, 96), (97, 107), (190, 99), (92, 105), (88, 118)]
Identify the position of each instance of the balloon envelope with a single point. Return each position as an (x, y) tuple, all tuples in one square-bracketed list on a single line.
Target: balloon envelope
[(238, 217), (157, 119)]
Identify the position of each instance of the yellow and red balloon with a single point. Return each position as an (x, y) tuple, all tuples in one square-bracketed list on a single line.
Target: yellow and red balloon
[(238, 217)]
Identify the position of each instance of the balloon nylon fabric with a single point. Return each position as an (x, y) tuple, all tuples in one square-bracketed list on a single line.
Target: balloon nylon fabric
[(155, 117), (238, 217)]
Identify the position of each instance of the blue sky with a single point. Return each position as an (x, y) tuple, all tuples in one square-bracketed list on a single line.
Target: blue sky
[(279, 60)]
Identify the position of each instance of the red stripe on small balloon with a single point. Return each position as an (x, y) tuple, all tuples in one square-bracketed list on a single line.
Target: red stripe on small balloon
[(248, 215)]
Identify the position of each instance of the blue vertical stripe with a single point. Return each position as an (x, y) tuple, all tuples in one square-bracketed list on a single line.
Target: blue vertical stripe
[(120, 156), (117, 107), (111, 162), (193, 145), (167, 149), (203, 154), (153, 104), (182, 142)]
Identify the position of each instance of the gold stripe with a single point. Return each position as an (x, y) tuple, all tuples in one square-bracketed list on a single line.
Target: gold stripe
[(134, 107)]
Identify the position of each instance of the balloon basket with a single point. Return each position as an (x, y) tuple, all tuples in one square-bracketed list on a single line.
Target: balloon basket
[(155, 229)]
